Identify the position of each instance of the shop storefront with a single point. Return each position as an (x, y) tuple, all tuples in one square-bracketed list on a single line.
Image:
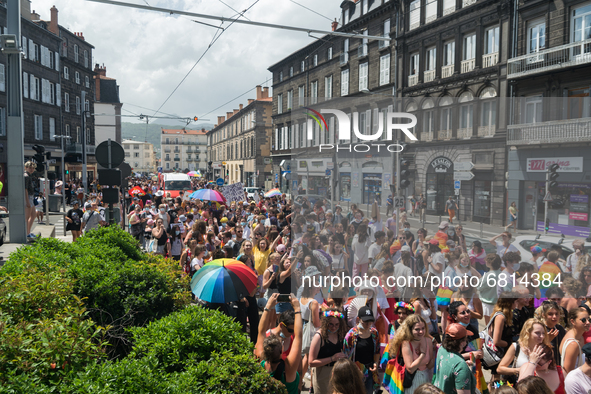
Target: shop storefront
[(372, 188), (440, 185), (570, 205)]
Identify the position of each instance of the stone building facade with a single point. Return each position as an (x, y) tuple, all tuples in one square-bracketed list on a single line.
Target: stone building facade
[(239, 144), (550, 71), (451, 71)]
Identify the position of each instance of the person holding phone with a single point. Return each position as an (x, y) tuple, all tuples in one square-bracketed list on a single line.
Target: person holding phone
[(283, 367)]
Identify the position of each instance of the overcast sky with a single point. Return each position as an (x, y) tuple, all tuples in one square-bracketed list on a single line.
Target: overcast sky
[(149, 52)]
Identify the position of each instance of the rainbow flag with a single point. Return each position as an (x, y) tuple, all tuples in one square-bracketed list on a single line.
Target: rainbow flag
[(472, 346), (393, 377), (386, 355), (444, 296)]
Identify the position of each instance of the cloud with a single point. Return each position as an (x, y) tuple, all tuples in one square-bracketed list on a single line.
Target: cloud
[(149, 53)]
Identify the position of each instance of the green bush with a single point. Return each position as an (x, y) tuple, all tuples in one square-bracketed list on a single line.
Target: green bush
[(121, 287), (190, 335), (45, 333), (223, 373)]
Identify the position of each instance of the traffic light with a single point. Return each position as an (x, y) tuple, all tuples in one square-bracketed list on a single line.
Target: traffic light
[(39, 157), (553, 170), (195, 119), (404, 173), (547, 225), (67, 172)]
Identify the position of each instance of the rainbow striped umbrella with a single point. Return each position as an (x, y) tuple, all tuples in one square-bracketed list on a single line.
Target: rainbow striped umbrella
[(192, 173), (208, 195), (223, 280), (273, 193)]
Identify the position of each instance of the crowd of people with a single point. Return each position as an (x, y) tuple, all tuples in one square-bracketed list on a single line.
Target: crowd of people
[(372, 332)]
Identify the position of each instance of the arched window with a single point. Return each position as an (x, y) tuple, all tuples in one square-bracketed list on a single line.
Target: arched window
[(428, 118), (466, 115), (446, 113), (488, 112)]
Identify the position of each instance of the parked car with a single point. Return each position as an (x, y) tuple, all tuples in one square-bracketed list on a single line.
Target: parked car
[(525, 242), (312, 198), (250, 191)]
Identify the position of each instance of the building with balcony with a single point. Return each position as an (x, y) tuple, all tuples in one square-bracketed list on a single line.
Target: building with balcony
[(239, 144), (140, 156), (550, 72), (107, 107), (342, 73), (183, 150), (77, 98), (451, 57)]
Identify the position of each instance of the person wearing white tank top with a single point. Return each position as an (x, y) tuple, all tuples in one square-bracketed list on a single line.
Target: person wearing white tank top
[(570, 349), (533, 333)]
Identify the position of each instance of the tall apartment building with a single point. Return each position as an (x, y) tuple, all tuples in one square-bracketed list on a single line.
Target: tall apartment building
[(107, 107), (329, 73), (41, 88), (140, 156), (451, 61), (239, 144), (550, 71), (183, 150)]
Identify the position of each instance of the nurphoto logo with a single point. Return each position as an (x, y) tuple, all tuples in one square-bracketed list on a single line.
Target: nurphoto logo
[(344, 130)]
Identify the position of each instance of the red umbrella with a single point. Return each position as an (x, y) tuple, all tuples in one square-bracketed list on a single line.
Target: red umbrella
[(136, 191)]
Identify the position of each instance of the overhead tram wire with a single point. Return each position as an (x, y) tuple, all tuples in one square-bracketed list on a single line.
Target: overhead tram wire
[(238, 12), (309, 9), (235, 98), (213, 41), (254, 23)]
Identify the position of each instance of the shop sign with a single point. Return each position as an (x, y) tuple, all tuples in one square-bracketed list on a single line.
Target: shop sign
[(441, 164), (578, 216), (579, 198), (567, 164)]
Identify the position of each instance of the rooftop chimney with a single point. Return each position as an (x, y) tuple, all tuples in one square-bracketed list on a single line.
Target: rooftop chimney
[(250, 101), (229, 115), (221, 120), (235, 111), (240, 106), (259, 92), (334, 25), (35, 16), (100, 70), (266, 92), (53, 26)]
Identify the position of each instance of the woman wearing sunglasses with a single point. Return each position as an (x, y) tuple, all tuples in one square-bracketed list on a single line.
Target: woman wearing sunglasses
[(326, 348), (570, 349), (541, 363)]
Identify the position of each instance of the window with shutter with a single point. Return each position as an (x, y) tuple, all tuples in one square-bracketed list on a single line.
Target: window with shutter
[(87, 81), (38, 127), (85, 58), (2, 79), (24, 47), (31, 50), (385, 70), (26, 85), (57, 61), (367, 122), (415, 14), (67, 102), (51, 93), (58, 95), (32, 87), (77, 105), (376, 120), (52, 129), (43, 57), (363, 76), (344, 83), (430, 11), (76, 53), (2, 121), (66, 73)]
